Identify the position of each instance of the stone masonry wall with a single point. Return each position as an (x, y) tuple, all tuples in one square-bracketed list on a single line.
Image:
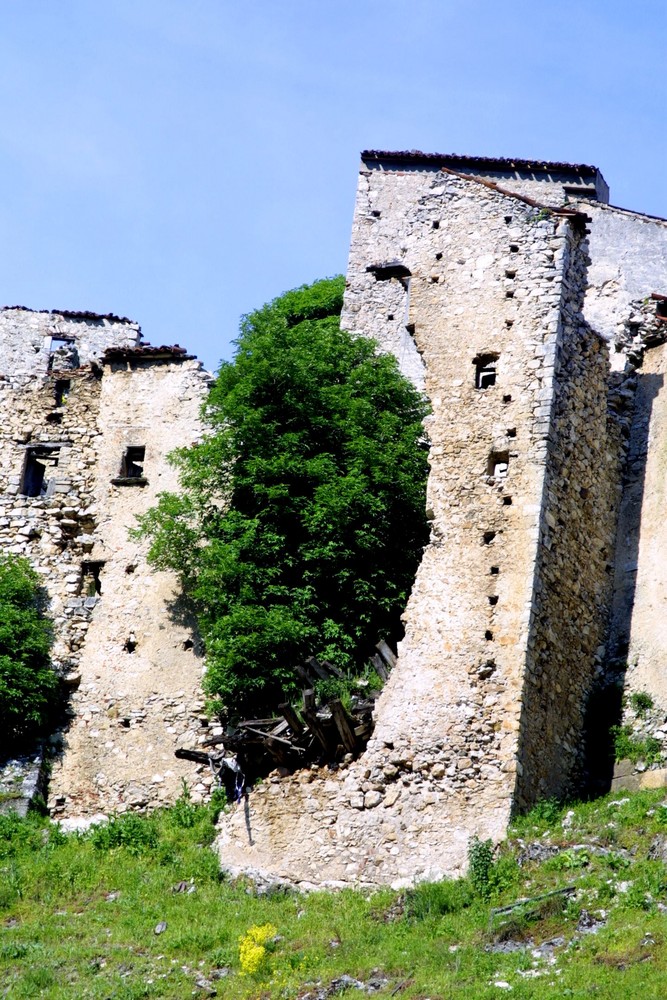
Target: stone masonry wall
[(140, 692), (574, 566), (485, 279), (61, 403)]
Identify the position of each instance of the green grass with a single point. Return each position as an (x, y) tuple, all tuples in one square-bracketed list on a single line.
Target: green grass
[(78, 915)]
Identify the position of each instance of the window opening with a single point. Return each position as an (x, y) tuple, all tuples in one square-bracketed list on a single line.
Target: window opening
[(495, 570), (507, 501), (488, 635), (498, 464), (91, 585), (493, 600), (38, 460), (58, 342), (130, 643), (66, 347), (507, 399), (485, 370), (488, 538), (61, 390), (132, 467)]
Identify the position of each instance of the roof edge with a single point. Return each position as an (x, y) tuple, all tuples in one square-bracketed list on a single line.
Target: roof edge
[(487, 162)]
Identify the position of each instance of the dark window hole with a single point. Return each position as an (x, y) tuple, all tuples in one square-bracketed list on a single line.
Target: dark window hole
[(511, 432), (510, 274), (130, 644), (130, 568), (436, 224), (390, 316), (495, 570), (91, 583), (514, 247), (61, 390), (488, 537), (485, 370), (493, 600), (509, 323), (507, 399), (488, 635), (498, 464), (188, 644), (507, 501), (132, 464), (487, 669), (509, 294), (39, 460), (438, 256), (375, 214), (54, 418)]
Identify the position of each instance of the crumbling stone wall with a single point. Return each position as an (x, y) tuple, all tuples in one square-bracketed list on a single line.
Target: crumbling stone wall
[(484, 278), (69, 410)]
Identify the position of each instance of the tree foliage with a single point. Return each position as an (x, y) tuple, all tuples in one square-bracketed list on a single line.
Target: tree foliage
[(302, 514), (27, 682)]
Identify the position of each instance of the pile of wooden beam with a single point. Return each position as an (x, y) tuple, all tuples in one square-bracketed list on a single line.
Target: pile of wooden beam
[(312, 733)]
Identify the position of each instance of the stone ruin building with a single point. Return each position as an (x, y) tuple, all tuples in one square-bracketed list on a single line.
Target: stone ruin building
[(533, 314), (89, 414)]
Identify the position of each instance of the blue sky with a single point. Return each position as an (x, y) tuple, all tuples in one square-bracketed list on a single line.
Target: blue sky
[(183, 161)]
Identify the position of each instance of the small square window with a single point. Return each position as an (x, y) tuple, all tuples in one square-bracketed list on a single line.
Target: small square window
[(38, 461), (485, 370), (132, 467)]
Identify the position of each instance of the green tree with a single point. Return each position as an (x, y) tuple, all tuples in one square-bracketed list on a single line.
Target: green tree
[(28, 684), (302, 514)]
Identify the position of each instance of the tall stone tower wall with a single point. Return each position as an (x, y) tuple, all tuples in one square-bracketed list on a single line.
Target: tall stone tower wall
[(77, 392)]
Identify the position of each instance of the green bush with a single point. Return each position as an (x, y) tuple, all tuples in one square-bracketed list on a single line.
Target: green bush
[(302, 518), (435, 899), (641, 702), (28, 685), (134, 833), (628, 747), (480, 866)]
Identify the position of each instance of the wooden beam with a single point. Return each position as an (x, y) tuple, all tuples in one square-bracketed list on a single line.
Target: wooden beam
[(343, 724), (379, 666), (386, 653), (316, 668), (318, 730), (291, 718)]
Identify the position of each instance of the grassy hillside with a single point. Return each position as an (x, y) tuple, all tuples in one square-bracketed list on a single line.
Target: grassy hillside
[(139, 909)]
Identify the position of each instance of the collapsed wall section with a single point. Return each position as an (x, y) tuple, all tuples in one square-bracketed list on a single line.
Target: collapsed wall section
[(465, 286)]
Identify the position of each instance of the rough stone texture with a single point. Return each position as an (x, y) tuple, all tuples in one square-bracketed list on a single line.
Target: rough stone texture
[(129, 709), (509, 615)]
